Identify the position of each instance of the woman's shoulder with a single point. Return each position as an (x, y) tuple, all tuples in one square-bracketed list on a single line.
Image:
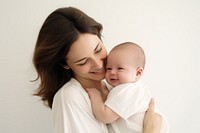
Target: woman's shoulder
[(73, 86), (70, 90)]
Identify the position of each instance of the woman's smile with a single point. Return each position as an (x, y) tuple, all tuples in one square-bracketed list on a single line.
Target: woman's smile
[(99, 71)]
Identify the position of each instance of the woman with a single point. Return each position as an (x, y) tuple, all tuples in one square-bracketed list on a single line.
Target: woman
[(69, 57)]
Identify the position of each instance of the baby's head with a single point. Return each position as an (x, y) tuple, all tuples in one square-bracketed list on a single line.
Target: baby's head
[(125, 64)]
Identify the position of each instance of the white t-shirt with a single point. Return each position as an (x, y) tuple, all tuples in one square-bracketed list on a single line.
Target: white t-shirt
[(72, 111), (129, 101)]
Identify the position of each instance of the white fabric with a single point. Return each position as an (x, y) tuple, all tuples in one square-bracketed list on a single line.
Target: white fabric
[(129, 101), (72, 111)]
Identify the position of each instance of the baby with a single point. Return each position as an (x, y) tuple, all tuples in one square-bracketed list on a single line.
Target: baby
[(128, 100)]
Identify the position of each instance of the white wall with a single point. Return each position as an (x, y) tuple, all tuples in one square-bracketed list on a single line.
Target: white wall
[(169, 32)]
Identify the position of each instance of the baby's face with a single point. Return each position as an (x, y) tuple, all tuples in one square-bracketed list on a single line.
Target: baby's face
[(120, 68)]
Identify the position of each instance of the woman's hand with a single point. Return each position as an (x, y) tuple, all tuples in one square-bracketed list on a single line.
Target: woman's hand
[(152, 120)]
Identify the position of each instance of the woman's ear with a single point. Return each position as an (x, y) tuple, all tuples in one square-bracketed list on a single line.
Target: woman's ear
[(66, 67)]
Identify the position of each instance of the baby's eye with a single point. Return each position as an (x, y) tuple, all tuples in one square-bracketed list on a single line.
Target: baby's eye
[(108, 68), (120, 68)]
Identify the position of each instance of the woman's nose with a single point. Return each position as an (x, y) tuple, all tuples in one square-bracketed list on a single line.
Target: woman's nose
[(98, 63)]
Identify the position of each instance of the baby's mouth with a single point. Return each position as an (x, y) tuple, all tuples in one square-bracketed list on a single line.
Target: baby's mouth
[(113, 79)]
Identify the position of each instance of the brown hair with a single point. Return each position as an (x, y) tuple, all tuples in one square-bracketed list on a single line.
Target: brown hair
[(58, 32)]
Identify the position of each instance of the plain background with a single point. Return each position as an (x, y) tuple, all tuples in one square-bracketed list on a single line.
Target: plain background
[(168, 31)]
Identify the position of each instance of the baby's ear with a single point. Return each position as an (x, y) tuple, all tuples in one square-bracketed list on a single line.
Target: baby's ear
[(139, 72)]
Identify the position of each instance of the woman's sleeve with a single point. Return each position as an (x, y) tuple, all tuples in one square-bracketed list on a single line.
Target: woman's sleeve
[(73, 114)]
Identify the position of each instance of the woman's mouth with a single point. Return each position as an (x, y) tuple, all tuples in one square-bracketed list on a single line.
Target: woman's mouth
[(99, 71)]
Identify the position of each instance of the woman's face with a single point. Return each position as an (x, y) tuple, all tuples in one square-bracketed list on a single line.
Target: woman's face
[(86, 58)]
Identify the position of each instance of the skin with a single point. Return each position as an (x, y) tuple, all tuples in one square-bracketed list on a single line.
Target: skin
[(88, 64), (152, 120), (122, 66), (89, 70)]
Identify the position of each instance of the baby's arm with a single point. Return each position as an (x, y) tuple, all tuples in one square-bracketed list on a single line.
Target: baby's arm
[(100, 110)]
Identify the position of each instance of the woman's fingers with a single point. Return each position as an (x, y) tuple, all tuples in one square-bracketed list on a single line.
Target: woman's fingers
[(151, 106), (152, 120)]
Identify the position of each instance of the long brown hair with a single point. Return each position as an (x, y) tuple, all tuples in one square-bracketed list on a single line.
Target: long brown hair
[(58, 32)]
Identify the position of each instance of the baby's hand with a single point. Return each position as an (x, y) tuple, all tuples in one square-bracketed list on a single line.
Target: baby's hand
[(93, 92)]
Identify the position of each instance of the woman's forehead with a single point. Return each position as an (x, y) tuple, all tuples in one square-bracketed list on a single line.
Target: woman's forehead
[(85, 45)]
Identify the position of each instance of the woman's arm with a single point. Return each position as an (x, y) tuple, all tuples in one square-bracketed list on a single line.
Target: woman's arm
[(100, 110), (152, 120)]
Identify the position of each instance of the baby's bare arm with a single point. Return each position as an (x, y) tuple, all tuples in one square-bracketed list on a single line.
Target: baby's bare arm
[(101, 112)]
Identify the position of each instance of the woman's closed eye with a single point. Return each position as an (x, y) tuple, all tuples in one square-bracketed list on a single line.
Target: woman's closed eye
[(98, 50), (82, 63)]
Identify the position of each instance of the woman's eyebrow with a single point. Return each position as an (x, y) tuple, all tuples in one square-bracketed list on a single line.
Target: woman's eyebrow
[(86, 57), (80, 60), (97, 46)]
